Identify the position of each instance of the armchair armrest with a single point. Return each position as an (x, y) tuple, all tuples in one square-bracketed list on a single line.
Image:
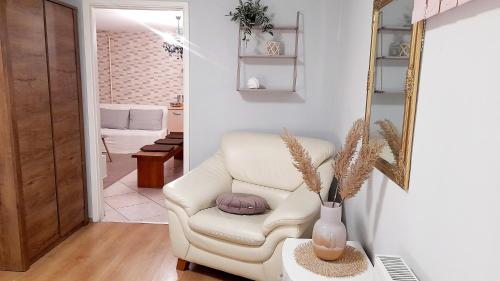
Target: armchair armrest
[(302, 205), (198, 189)]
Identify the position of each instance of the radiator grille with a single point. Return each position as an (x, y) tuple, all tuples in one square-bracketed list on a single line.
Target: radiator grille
[(397, 268)]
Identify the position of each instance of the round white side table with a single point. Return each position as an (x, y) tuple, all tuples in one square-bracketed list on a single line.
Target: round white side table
[(294, 272)]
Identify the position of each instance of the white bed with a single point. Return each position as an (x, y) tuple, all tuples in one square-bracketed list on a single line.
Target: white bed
[(130, 141)]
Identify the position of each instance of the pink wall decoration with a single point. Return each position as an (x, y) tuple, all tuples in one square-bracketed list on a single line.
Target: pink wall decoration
[(134, 69), (424, 9), (419, 7), (448, 4), (432, 8)]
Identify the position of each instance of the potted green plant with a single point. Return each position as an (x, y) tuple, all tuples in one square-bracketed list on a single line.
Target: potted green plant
[(251, 14)]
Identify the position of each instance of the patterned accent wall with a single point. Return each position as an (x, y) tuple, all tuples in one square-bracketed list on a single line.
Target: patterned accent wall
[(141, 71), (103, 67)]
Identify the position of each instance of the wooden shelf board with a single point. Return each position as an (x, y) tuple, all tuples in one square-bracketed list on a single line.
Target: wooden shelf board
[(392, 92), (395, 28), (267, 57), (392, 58), (270, 91), (280, 28)]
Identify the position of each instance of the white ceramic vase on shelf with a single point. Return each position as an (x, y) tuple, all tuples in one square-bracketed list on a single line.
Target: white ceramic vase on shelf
[(329, 233), (253, 83)]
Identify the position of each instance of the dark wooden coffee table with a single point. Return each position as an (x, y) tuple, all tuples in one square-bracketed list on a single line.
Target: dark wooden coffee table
[(150, 170)]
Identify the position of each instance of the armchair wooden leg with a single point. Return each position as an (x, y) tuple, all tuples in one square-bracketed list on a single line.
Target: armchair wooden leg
[(182, 265)]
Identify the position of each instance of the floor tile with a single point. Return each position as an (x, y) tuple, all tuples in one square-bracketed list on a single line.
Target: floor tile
[(141, 211), (160, 201), (116, 188), (107, 207), (111, 215), (130, 180), (152, 193), (163, 218), (125, 200)]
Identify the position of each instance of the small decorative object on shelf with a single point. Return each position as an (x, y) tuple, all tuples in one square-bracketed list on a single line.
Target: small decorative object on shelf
[(253, 83), (251, 14), (407, 20), (404, 49), (395, 48), (273, 48), (351, 168)]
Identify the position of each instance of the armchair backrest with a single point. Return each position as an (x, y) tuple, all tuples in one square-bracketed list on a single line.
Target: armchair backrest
[(261, 163)]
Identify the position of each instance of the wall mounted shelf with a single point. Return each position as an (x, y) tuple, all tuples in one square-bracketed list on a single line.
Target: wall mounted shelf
[(395, 28), (268, 91), (272, 59), (392, 58), (382, 92), (280, 28), (267, 57)]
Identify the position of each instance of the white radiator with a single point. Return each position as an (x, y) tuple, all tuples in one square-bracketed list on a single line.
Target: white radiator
[(392, 268)]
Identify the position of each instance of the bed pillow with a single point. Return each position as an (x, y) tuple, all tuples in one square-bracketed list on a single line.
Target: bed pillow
[(114, 118), (241, 203), (146, 119)]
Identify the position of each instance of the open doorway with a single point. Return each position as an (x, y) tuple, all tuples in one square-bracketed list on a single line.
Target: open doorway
[(140, 92)]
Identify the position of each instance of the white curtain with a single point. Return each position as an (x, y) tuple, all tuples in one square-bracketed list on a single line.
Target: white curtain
[(424, 9)]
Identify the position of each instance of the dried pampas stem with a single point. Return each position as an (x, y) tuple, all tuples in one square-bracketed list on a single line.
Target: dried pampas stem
[(360, 169), (391, 135), (352, 172), (344, 157), (302, 161)]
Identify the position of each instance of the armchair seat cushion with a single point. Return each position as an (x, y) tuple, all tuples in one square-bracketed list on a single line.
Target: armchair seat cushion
[(239, 229)]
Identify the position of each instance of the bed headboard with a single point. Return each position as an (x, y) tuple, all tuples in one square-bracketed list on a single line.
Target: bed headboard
[(139, 106)]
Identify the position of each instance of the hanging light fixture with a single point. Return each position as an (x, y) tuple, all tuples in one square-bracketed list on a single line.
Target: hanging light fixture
[(175, 47)]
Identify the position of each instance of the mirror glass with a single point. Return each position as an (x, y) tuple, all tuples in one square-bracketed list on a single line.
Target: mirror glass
[(392, 57)]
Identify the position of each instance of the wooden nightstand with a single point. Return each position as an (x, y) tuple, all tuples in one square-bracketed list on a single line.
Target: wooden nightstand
[(294, 272), (175, 119)]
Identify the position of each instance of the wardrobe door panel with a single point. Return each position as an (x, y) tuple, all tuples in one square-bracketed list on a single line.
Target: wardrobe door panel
[(31, 112), (66, 108), (10, 237)]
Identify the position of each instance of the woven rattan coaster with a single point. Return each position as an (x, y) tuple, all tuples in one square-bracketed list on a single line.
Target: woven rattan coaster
[(350, 264)]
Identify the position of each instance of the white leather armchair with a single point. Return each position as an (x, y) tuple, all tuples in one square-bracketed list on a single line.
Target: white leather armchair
[(249, 246)]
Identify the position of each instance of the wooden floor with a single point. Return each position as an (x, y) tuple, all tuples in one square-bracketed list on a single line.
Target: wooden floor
[(115, 252)]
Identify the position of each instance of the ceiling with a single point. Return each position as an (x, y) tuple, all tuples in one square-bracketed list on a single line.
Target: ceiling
[(137, 20)]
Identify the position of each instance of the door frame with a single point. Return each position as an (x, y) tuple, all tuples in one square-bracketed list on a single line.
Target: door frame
[(91, 103)]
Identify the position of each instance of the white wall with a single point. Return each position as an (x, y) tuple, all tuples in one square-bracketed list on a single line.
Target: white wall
[(447, 225), (215, 105)]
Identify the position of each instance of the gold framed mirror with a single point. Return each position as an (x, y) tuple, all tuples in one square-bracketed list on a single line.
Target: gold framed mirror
[(392, 88)]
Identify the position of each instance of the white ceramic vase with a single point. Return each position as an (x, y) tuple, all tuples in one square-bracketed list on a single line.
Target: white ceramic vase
[(329, 233), (253, 83)]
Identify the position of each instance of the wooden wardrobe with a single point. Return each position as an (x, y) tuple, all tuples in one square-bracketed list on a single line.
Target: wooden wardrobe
[(42, 165)]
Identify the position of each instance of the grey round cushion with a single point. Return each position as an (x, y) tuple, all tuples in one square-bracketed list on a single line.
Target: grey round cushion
[(241, 203)]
